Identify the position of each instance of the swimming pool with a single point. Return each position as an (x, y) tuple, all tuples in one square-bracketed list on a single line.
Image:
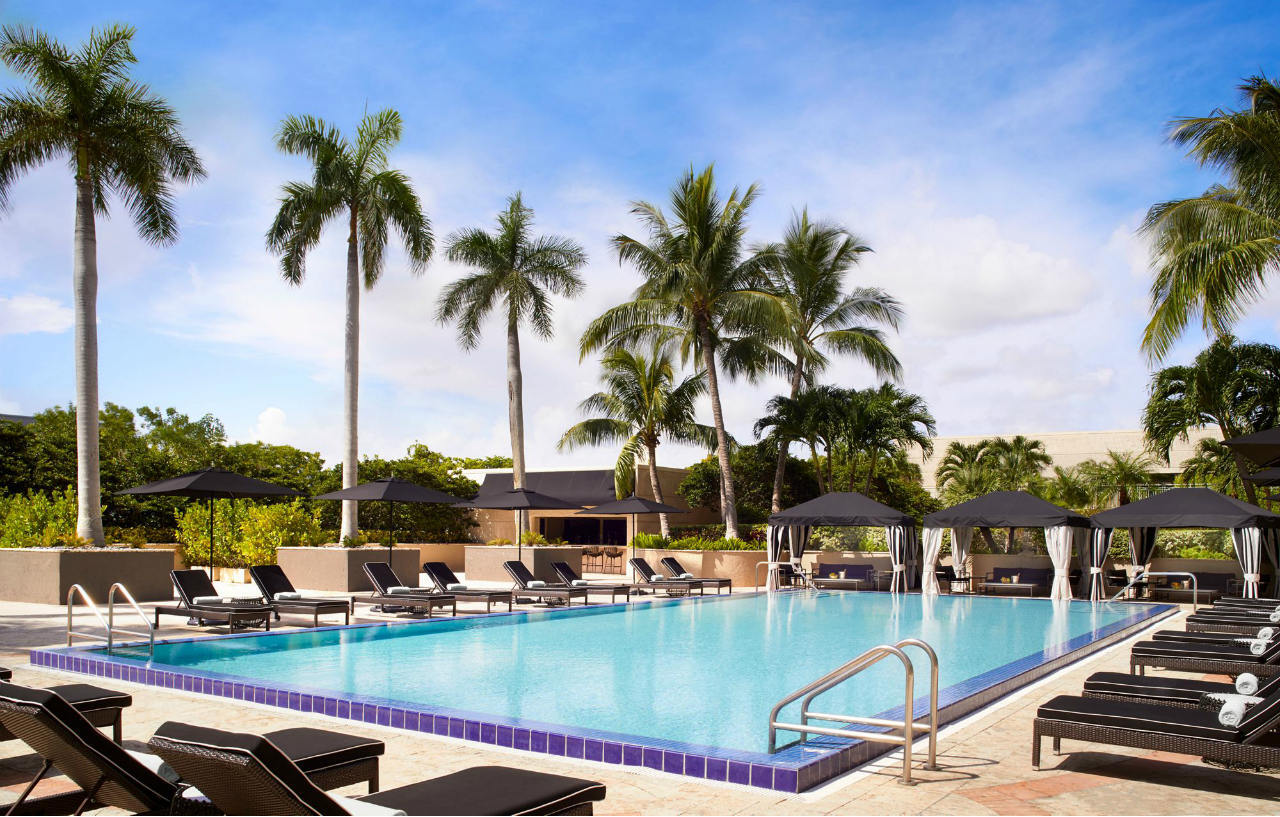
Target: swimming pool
[(692, 678)]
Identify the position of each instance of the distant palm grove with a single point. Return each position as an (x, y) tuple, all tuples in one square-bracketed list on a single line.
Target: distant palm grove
[(712, 303)]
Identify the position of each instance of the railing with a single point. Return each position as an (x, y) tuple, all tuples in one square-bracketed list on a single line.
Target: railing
[(771, 566), (109, 623), (1142, 577), (900, 733)]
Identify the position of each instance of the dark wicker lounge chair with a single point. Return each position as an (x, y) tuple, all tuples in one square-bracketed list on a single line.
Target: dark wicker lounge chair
[(446, 582), (676, 571), (280, 593), (247, 774), (1226, 620), (1221, 659), (109, 775), (200, 601), (1168, 690), (390, 592), (100, 706), (831, 576), (528, 585), (571, 578), (674, 587), (1180, 730)]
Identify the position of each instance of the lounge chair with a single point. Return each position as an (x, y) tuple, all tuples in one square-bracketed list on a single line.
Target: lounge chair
[(446, 582), (1167, 690), (389, 591), (1220, 659), (200, 601), (528, 585), (1180, 730), (248, 774), (830, 576), (676, 571), (570, 578), (109, 775), (279, 591), (100, 706), (1227, 620), (674, 587)]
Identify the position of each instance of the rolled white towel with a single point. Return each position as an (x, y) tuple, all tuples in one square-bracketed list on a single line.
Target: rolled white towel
[(1256, 645), (1232, 713), (537, 583), (399, 590), (287, 596), (579, 583), (686, 576), (455, 586), (1246, 683), (1224, 698), (1267, 633), (215, 600), (1275, 616)]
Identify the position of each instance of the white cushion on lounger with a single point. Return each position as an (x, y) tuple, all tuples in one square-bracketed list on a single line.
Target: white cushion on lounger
[(362, 807), (579, 583), (685, 576), (164, 770), (536, 583), (212, 600), (455, 586), (399, 590), (288, 596)]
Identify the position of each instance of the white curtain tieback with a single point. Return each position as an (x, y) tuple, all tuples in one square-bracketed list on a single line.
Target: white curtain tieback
[(1058, 572), (1253, 577), (899, 568), (1095, 570)]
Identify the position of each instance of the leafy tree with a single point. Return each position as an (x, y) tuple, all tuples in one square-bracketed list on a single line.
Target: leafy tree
[(640, 405), (118, 138), (1213, 465), (184, 444), (1213, 254), (491, 461), (350, 181), (1070, 488), (518, 273), (877, 422), (752, 469), (303, 471), (703, 293), (1117, 477)]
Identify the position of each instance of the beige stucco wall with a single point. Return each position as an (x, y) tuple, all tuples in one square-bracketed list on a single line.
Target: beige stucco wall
[(739, 566), (43, 576), (341, 569)]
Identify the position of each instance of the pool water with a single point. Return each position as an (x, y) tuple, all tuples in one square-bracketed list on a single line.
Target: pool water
[(697, 672)]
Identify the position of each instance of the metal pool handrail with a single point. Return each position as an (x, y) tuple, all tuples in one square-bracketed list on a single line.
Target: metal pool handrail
[(108, 623), (1195, 584), (771, 565), (908, 726)]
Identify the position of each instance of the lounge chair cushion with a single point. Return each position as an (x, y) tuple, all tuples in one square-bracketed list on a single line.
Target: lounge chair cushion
[(535, 583), (399, 590), (1202, 650), (1143, 717), (363, 808), (580, 583), (316, 749), (455, 586), (1157, 687), (213, 600), (89, 698), (490, 790), (287, 596)]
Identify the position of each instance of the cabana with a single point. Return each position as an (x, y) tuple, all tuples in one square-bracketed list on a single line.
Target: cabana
[(1253, 530), (1005, 509), (791, 529)]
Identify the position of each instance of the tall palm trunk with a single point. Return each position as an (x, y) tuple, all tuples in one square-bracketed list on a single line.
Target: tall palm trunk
[(784, 444), (515, 413), (663, 523), (351, 385), (817, 467), (729, 500), (85, 284), (871, 472)]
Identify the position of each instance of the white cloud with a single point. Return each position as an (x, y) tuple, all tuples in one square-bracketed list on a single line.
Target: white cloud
[(272, 427), (21, 314)]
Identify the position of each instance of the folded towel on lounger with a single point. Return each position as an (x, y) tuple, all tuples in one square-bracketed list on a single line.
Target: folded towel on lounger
[(399, 590), (1267, 633), (287, 596), (579, 582), (1246, 683), (537, 583), (686, 575), (214, 600), (455, 586)]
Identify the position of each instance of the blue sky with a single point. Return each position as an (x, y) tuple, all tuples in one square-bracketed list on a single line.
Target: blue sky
[(997, 157)]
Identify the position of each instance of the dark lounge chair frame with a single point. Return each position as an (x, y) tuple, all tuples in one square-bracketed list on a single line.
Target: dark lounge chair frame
[(422, 600), (568, 576), (707, 581), (442, 576), (655, 579), (520, 574), (233, 615), (269, 577), (1226, 665)]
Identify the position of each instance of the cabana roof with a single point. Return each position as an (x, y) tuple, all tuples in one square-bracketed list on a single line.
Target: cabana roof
[(1263, 447), (842, 508), (1188, 508), (1005, 509)]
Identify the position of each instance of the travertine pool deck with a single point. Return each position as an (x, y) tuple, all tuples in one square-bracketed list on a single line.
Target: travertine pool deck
[(985, 758)]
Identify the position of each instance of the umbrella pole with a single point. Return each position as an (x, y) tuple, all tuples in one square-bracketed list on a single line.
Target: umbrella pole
[(632, 543), (391, 534), (210, 538)]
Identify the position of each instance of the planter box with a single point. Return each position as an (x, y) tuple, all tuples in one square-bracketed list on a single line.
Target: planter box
[(341, 569), (484, 562), (736, 565), (43, 576), (453, 554), (178, 563)]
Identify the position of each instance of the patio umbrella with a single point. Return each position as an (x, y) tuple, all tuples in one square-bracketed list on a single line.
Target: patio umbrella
[(392, 490), (519, 500), (211, 484), (1263, 447), (632, 506)]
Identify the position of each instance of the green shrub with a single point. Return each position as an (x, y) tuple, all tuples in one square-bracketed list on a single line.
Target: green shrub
[(357, 541), (699, 543), (844, 538), (499, 541), (249, 538), (532, 537), (649, 540), (751, 533), (1179, 543), (36, 519)]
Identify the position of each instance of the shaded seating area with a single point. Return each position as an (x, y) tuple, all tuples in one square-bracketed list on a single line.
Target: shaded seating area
[(528, 585), (249, 774), (676, 571), (201, 603), (789, 530), (570, 578), (389, 592), (836, 576), (1027, 580), (445, 581), (281, 594)]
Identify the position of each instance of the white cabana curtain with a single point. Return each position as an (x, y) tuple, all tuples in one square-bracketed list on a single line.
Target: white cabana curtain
[(1092, 557), (793, 538), (1248, 542), (1059, 540), (898, 549), (932, 549), (960, 540)]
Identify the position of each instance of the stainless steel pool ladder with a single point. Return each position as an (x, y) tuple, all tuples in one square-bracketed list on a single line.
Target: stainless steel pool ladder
[(900, 733), (109, 623), (1141, 576)]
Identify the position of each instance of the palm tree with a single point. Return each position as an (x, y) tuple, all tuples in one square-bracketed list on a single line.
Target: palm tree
[(1117, 476), (1213, 465), (1214, 253), (351, 181), (879, 422), (1071, 488), (964, 463), (807, 271), (120, 138), (702, 293), (518, 272), (640, 406), (1234, 386), (1016, 463)]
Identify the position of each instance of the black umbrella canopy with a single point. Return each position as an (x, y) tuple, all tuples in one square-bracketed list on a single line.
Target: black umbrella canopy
[(1263, 447), (520, 499), (1188, 508), (391, 489), (633, 505), (215, 483), (1267, 477), (841, 508), (1005, 509)]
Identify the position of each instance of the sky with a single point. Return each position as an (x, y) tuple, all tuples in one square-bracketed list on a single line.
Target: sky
[(997, 158)]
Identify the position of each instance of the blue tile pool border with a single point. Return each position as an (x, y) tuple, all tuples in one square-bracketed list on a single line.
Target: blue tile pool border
[(793, 769)]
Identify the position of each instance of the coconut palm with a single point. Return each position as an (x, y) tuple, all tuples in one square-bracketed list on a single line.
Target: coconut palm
[(1213, 465), (641, 405), (807, 271), (964, 463), (1117, 477), (1214, 253), (703, 293), (878, 422), (1016, 463), (1233, 386), (350, 181), (518, 273), (118, 138)]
